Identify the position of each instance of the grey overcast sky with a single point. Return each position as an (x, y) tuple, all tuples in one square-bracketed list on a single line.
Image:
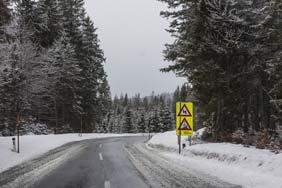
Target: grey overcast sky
[(133, 35)]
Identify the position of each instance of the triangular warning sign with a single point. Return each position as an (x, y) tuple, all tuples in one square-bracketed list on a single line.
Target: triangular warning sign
[(184, 126), (185, 111)]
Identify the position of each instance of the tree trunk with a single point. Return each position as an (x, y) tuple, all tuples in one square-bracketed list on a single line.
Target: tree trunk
[(246, 117), (261, 106), (218, 122), (56, 113)]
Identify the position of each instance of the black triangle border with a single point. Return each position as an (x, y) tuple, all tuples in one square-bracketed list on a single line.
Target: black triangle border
[(184, 106)]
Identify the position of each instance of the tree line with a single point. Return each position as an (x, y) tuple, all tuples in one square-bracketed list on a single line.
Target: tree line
[(230, 52), (139, 114), (51, 65)]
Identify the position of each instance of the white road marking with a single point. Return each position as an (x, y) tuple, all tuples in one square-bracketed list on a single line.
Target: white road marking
[(101, 156), (107, 184), (100, 145)]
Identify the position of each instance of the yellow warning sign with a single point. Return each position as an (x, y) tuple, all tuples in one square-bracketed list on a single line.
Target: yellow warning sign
[(184, 118), (184, 126), (185, 111)]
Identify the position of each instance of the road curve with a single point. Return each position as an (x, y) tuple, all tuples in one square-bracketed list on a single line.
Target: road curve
[(122, 162)]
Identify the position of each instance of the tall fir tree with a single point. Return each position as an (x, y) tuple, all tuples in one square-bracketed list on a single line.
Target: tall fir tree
[(141, 127), (165, 119), (67, 82), (5, 15), (128, 126), (49, 22)]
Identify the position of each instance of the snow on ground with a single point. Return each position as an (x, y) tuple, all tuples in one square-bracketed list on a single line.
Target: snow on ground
[(249, 167), (32, 146)]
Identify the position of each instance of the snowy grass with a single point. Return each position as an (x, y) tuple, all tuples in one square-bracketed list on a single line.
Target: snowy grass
[(249, 167), (33, 146)]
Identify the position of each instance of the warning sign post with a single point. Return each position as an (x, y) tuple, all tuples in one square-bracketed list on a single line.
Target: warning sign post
[(184, 120)]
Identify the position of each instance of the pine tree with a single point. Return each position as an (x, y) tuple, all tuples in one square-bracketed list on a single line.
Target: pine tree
[(166, 119), (5, 13), (125, 100), (25, 11), (96, 91), (176, 98), (141, 128), (155, 123), (111, 122), (49, 22), (17, 70), (146, 103), (104, 100), (136, 101), (115, 102), (71, 18), (6, 86), (67, 83), (128, 126)]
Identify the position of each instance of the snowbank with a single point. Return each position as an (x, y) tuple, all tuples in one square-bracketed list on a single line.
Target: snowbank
[(32, 146), (236, 164)]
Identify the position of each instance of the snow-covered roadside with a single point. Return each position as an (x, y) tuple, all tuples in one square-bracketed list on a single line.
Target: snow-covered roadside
[(249, 167), (32, 146)]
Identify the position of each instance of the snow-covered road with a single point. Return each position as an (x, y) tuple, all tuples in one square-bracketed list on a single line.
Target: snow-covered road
[(25, 174), (202, 165), (162, 172), (120, 162), (245, 166)]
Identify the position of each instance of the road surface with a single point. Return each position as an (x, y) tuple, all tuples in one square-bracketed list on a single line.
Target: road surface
[(105, 163)]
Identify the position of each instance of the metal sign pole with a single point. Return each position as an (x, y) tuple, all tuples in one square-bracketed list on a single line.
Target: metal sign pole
[(190, 140), (194, 121), (179, 144), (179, 137)]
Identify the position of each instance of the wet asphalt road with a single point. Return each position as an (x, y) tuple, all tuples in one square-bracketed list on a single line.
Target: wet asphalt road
[(124, 162), (101, 164)]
